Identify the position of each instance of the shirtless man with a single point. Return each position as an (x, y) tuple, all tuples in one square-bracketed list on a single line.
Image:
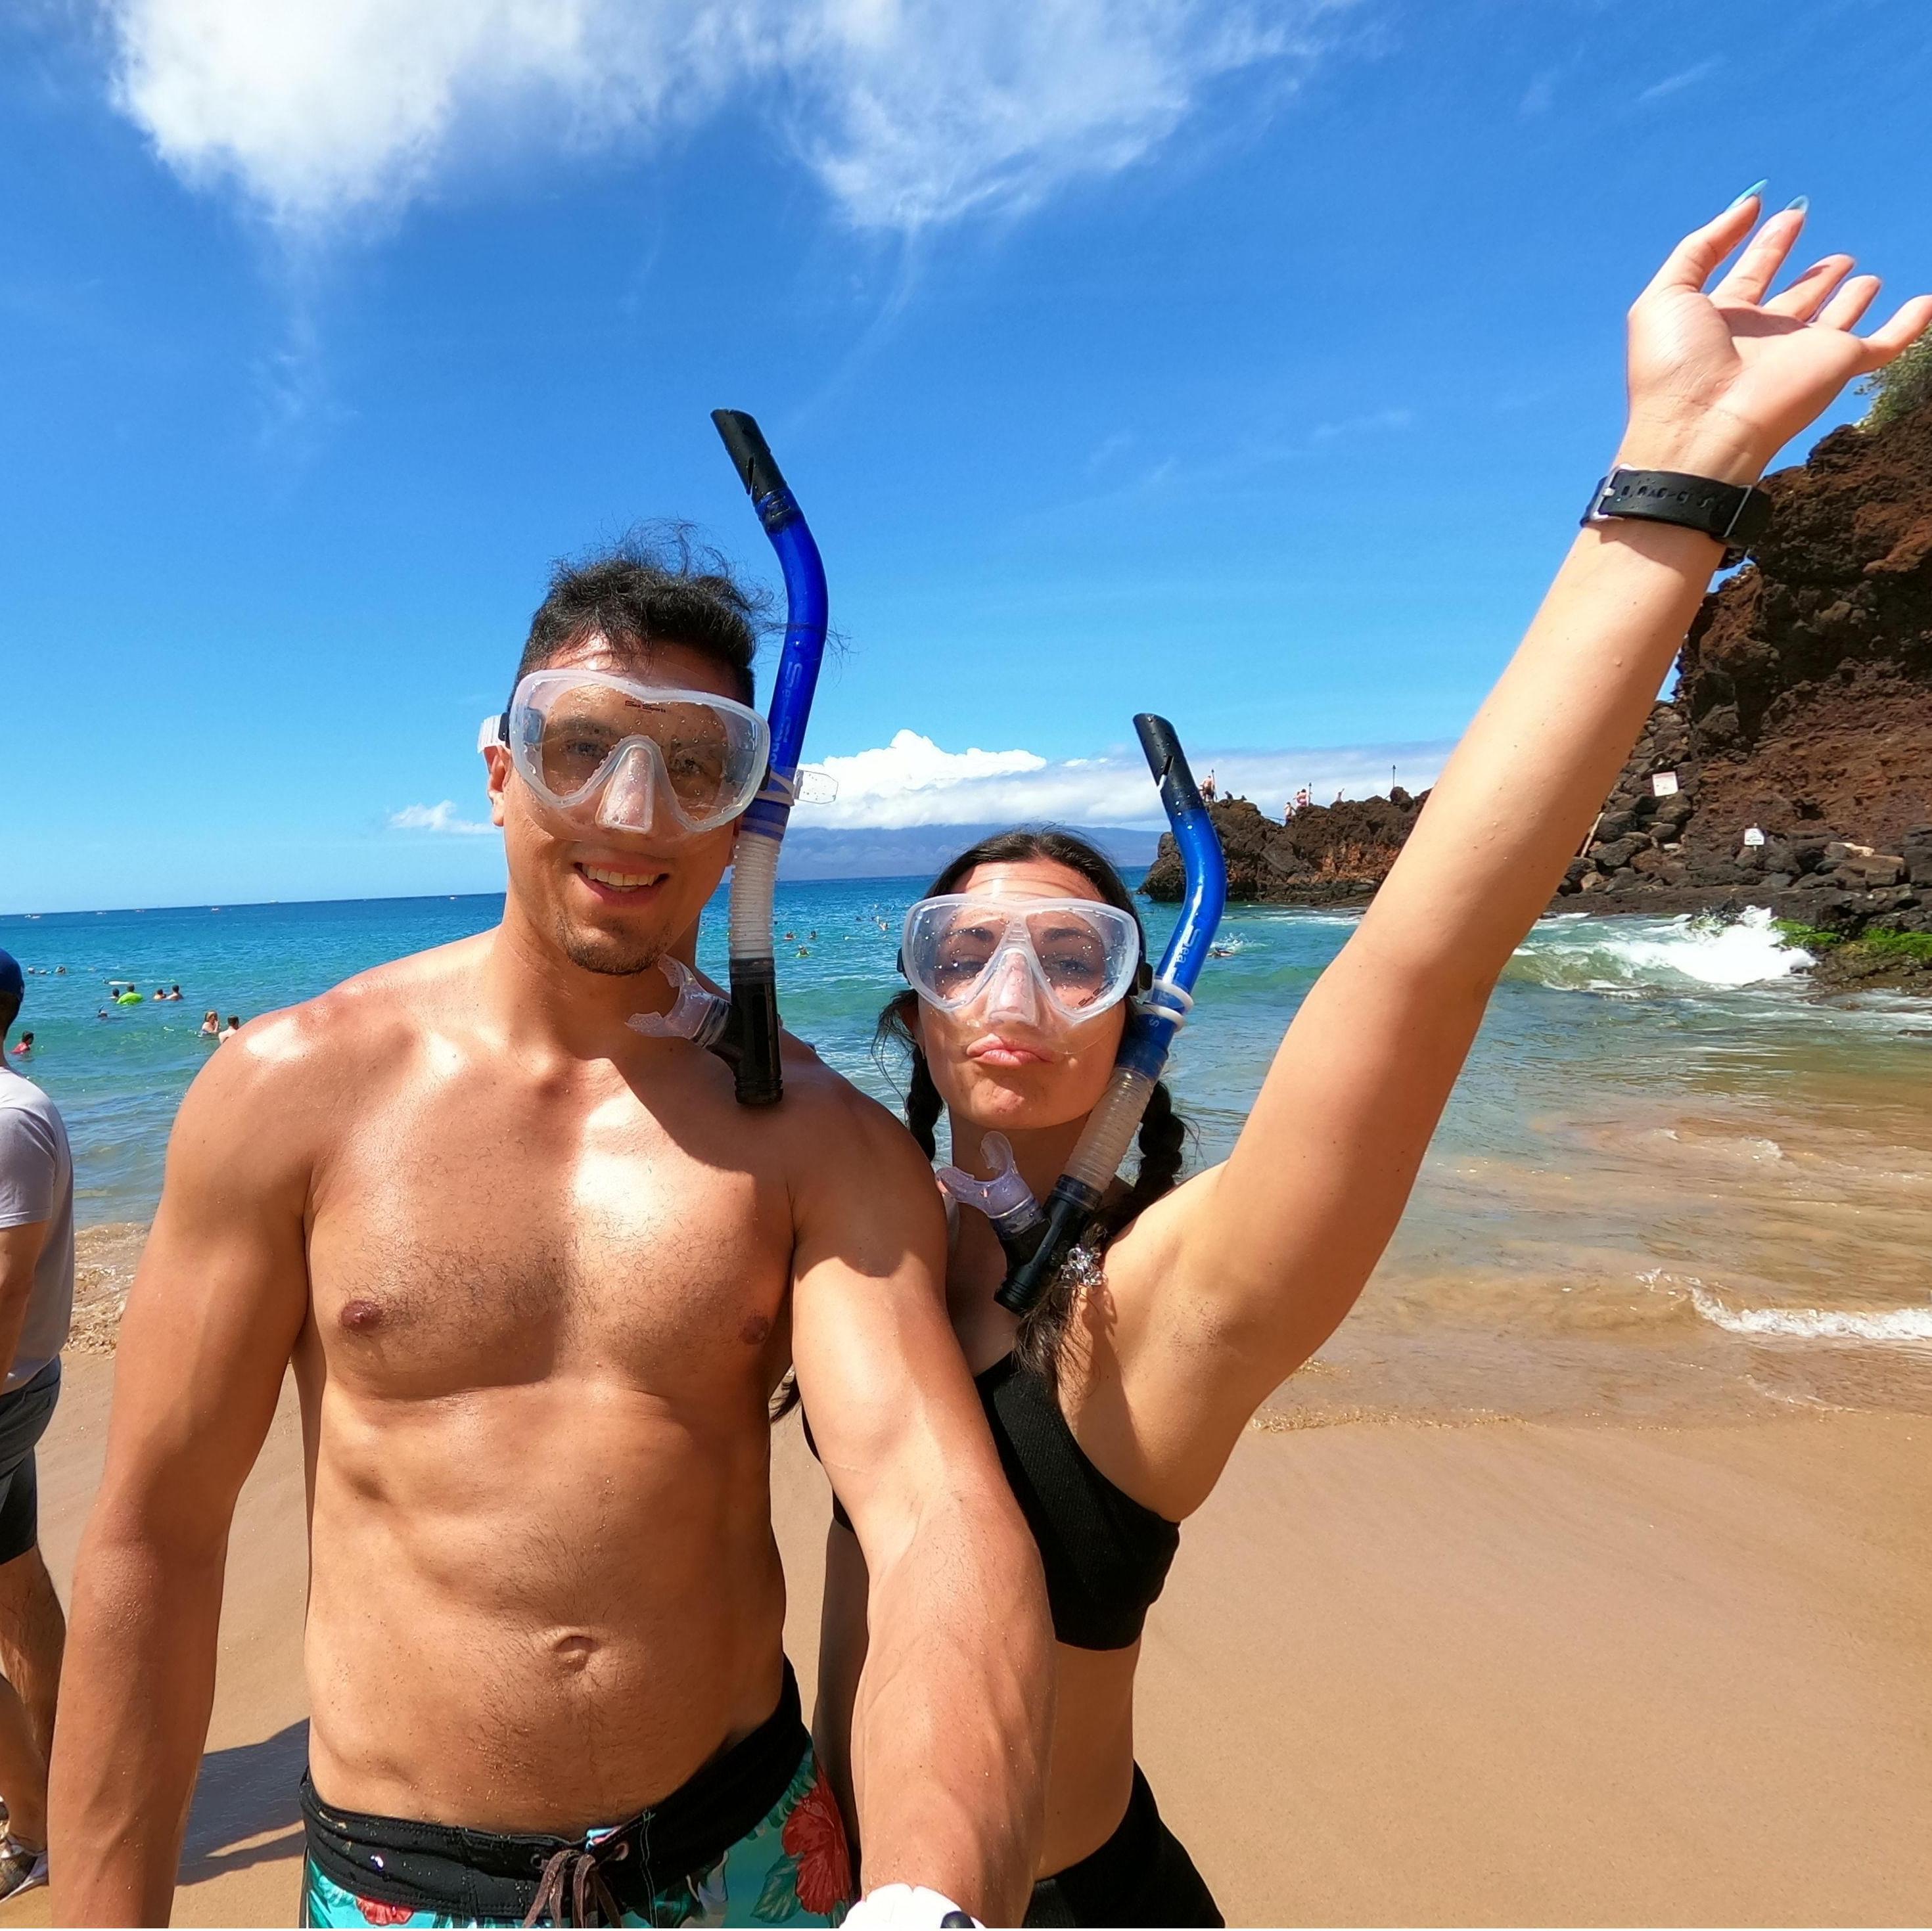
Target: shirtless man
[(538, 1275)]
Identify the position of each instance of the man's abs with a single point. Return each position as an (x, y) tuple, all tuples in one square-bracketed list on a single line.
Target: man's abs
[(535, 1607)]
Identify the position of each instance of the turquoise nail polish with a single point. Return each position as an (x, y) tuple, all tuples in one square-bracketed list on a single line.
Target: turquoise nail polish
[(1798, 206), (1755, 188)]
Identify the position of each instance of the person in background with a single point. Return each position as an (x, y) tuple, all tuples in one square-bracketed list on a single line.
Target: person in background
[(233, 1027), (36, 1305), (175, 992), (25, 1050), (210, 1024)]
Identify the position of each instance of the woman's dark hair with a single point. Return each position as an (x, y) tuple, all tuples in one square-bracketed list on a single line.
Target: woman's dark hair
[(1163, 1132)]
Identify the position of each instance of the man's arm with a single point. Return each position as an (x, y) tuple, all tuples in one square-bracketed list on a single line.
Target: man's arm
[(950, 1726), (218, 1302), (20, 1247), (30, 1169)]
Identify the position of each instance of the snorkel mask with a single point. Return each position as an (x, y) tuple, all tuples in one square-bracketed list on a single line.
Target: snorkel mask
[(1038, 960), (618, 754), (1038, 1240), (614, 752)]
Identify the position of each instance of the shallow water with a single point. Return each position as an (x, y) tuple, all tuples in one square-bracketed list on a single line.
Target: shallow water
[(1670, 1183)]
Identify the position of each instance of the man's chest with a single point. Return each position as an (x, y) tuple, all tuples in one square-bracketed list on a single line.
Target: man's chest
[(472, 1244)]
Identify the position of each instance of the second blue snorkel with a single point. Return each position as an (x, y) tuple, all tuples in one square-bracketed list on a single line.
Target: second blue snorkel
[(1037, 1240), (748, 1041)]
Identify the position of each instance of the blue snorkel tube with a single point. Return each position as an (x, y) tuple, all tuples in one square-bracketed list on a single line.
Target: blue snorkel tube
[(748, 1041), (1038, 1241)]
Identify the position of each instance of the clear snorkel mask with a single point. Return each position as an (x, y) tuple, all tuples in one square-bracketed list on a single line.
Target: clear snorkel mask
[(996, 958), (612, 753)]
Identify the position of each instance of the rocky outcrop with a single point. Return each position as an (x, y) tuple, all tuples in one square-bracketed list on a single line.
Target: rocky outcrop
[(1325, 854)]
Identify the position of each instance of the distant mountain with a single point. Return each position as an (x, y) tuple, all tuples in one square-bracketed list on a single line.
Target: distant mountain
[(921, 851)]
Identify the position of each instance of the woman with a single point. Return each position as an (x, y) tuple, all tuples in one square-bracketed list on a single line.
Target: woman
[(210, 1024), (1117, 1402)]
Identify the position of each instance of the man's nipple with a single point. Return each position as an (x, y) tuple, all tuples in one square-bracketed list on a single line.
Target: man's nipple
[(360, 1316)]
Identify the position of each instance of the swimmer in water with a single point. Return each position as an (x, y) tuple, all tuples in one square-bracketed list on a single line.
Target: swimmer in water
[(210, 1024), (25, 1050)]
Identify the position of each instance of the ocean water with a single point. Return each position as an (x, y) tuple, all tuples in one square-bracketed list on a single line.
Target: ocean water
[(1671, 1182)]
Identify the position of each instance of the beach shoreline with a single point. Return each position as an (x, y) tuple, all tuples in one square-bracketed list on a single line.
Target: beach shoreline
[(1524, 1673)]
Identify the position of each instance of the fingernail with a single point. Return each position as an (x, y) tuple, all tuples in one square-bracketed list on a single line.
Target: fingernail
[(1798, 206), (1750, 193)]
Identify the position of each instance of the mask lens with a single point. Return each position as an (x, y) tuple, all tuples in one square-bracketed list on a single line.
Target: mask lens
[(1074, 954), (696, 747), (961, 950), (579, 732)]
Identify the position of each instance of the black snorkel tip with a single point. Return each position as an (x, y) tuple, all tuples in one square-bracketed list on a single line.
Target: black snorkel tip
[(751, 454)]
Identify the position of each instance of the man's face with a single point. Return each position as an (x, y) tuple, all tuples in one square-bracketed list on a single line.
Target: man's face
[(611, 901)]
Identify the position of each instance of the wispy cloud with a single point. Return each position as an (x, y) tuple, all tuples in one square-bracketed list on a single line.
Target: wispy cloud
[(435, 818), (910, 113), (1377, 422), (1676, 83), (913, 781)]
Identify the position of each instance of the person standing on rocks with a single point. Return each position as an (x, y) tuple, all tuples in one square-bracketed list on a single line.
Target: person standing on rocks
[(36, 1308)]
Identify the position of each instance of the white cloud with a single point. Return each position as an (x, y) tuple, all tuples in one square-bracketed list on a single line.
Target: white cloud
[(435, 818), (1676, 83), (909, 112), (912, 781)]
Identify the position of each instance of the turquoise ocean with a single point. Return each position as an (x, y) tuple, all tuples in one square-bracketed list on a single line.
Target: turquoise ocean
[(1672, 1182)]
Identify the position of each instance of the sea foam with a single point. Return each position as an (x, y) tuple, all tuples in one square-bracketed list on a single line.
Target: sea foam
[(1672, 956), (1898, 1323)]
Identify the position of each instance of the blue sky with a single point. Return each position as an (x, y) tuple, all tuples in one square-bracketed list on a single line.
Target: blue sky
[(1251, 366)]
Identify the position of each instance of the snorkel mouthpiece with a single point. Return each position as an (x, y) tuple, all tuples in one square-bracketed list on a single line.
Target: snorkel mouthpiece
[(1158, 1016), (750, 1043)]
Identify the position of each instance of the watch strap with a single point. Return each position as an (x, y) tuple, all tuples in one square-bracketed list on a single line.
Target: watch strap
[(1735, 513)]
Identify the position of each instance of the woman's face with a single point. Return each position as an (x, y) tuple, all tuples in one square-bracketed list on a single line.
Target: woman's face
[(1005, 1075)]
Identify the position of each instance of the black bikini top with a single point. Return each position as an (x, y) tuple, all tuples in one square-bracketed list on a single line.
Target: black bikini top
[(1106, 1556)]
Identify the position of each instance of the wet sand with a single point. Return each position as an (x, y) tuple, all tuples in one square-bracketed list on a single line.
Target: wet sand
[(1510, 1673)]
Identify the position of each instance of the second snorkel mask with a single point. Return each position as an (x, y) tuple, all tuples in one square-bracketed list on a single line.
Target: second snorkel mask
[(1037, 1240)]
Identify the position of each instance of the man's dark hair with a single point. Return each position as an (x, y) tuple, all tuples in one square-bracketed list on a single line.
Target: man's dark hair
[(657, 585), (10, 1011)]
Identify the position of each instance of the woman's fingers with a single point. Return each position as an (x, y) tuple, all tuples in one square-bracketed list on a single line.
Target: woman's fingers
[(1808, 294), (1757, 268), (1846, 309), (1690, 264), (1900, 333)]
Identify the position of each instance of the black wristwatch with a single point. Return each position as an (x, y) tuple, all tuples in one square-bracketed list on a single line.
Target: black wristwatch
[(1735, 513)]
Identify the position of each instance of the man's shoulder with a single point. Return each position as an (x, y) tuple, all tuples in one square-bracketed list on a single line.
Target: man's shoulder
[(837, 1127), (30, 1107), (341, 1037)]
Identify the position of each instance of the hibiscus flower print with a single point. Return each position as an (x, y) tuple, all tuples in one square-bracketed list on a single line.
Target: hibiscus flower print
[(376, 1912), (814, 1837)]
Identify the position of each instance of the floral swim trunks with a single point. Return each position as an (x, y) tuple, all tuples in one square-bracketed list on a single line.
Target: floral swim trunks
[(754, 1837)]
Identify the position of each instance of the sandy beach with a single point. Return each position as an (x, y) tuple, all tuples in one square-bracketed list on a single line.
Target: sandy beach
[(1502, 1673)]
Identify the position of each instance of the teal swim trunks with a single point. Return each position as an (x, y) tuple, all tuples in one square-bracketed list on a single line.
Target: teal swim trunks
[(755, 1837)]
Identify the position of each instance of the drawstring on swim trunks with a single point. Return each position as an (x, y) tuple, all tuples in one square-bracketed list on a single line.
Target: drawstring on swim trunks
[(582, 1868)]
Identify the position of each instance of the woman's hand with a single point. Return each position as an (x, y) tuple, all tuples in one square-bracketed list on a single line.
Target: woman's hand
[(1720, 382)]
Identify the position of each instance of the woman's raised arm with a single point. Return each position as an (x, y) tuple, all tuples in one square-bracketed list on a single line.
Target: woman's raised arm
[(1267, 1253)]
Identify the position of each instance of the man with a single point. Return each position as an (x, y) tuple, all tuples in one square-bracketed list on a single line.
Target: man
[(36, 1306), (538, 1275)]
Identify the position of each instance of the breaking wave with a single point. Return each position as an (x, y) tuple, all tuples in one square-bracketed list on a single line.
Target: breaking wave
[(1630, 957), (1898, 1323)]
